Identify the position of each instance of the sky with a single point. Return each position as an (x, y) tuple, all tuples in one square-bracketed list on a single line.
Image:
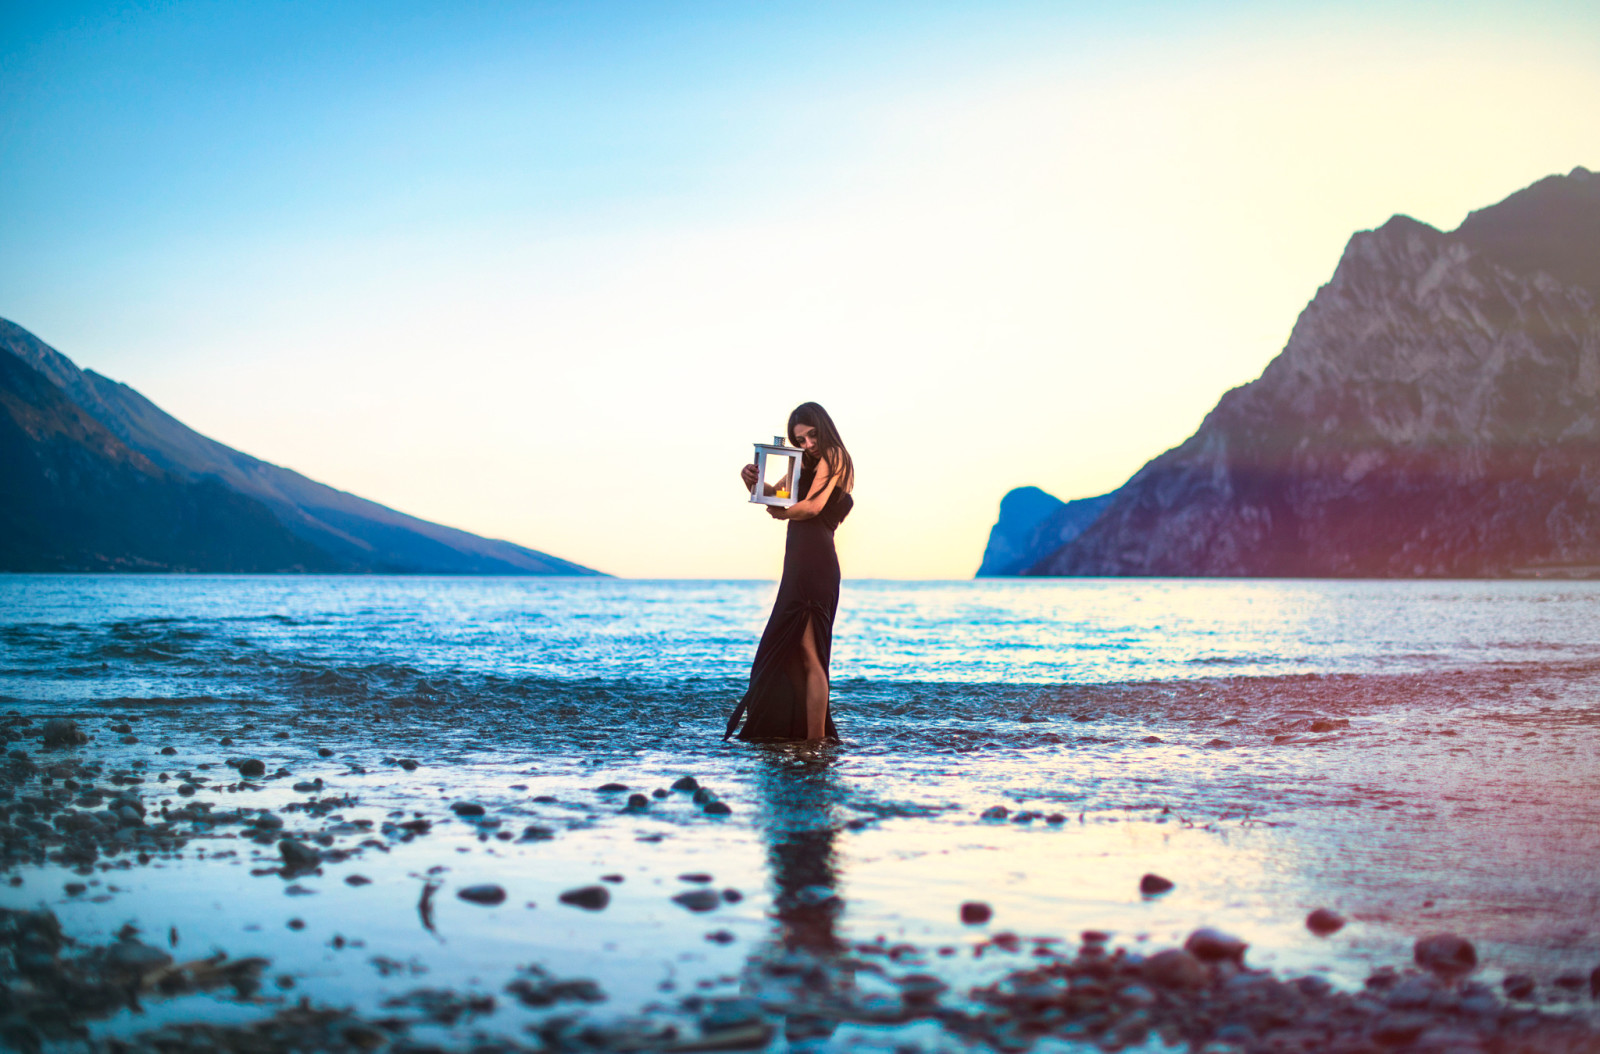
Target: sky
[(546, 272)]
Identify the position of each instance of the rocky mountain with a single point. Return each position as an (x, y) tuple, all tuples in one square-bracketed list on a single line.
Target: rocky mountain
[(1032, 525), (330, 529), (1436, 412), (79, 499)]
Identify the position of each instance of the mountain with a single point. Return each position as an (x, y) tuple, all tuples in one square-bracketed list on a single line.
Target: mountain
[(79, 499), (334, 530), (1032, 525), (1436, 412)]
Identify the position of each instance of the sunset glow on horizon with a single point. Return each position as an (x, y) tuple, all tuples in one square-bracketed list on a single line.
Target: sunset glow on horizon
[(546, 273)]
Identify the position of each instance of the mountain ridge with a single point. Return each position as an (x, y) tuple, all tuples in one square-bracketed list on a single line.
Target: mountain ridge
[(357, 534), (1435, 412)]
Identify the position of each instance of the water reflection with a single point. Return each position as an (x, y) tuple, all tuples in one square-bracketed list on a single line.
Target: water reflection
[(801, 969)]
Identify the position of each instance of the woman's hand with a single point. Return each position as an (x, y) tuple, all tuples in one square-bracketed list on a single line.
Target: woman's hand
[(778, 512), (748, 474)]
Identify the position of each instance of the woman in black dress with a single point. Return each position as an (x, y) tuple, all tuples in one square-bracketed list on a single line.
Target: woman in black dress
[(788, 694)]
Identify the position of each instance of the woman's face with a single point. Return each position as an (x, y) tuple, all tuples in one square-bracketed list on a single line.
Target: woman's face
[(805, 437)]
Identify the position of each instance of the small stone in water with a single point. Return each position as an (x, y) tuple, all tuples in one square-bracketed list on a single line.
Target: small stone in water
[(1445, 953), (685, 783), (357, 880), (487, 894), (717, 808), (298, 856), (1323, 922), (1518, 986), (297, 924), (995, 812), (252, 767), (589, 898), (638, 801), (732, 896), (1209, 945), (467, 808), (169, 751), (409, 764), (1174, 969), (613, 879), (324, 752), (698, 899), (720, 937), (1154, 885), (695, 876), (1152, 739), (976, 913), (611, 788)]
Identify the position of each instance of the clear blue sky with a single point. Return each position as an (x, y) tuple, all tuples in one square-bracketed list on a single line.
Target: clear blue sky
[(505, 265)]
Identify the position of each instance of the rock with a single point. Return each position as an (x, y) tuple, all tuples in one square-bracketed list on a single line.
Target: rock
[(63, 732), (75, 889), (133, 956), (1569, 981), (297, 890), (1218, 744), (487, 894), (732, 896), (268, 821), (611, 788), (535, 833), (304, 787), (695, 876), (721, 937), (1323, 922), (1413, 993), (1445, 953), (637, 802), (615, 880), (467, 809), (1173, 969), (920, 987), (297, 856), (357, 880), (169, 751), (1210, 945), (296, 924), (1400, 1028), (409, 764), (994, 812), (186, 789), (1152, 739), (660, 792), (1152, 885), (128, 740), (1518, 985), (251, 767), (703, 795), (717, 808), (698, 899), (685, 783), (976, 913), (589, 898), (324, 752)]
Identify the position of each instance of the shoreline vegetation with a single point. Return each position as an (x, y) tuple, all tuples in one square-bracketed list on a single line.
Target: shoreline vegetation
[(91, 814)]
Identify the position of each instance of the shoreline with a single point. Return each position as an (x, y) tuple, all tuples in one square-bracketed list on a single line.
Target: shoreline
[(404, 959)]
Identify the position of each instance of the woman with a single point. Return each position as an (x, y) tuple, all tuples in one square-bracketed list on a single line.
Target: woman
[(788, 695)]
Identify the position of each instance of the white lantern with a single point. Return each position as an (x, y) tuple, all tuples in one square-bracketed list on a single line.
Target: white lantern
[(777, 466)]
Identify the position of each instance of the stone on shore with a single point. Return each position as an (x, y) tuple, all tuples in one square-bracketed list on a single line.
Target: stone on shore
[(1210, 945), (63, 732), (976, 913), (487, 894), (251, 767), (1323, 922), (1446, 953), (589, 898), (698, 899), (1152, 885), (297, 856), (1173, 969)]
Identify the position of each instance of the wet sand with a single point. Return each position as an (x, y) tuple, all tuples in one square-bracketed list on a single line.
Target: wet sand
[(813, 898)]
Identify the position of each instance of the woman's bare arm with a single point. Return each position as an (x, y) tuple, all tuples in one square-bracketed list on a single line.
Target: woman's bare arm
[(821, 487)]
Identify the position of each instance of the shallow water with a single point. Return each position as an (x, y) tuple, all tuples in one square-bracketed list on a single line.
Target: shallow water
[(1419, 756)]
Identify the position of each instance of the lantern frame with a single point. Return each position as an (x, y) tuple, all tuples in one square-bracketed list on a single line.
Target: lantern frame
[(777, 448)]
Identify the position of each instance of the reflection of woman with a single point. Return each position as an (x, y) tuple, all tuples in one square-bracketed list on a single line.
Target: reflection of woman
[(788, 694)]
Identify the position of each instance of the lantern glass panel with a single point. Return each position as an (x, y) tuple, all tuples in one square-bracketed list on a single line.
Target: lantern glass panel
[(776, 474)]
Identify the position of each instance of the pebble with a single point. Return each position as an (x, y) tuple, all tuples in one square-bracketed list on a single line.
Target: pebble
[(717, 808), (1323, 922), (732, 896), (720, 937), (1210, 945), (1445, 953), (252, 767), (357, 880), (298, 856), (1152, 885), (487, 894), (685, 783), (698, 899), (995, 812), (611, 788), (589, 898), (324, 752), (1173, 969), (976, 913), (1518, 985), (1401, 1027), (169, 751), (615, 880), (63, 732), (409, 764), (296, 924), (1218, 744), (1152, 739), (637, 802), (695, 876), (467, 808), (535, 833)]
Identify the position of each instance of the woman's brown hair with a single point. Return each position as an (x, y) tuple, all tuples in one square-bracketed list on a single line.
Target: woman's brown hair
[(830, 448)]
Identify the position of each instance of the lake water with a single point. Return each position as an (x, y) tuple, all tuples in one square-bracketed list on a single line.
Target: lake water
[(1417, 755)]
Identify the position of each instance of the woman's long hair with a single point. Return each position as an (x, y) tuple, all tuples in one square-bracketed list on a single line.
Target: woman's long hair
[(830, 448)]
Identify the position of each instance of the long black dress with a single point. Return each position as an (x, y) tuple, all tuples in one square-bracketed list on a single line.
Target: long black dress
[(809, 593)]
